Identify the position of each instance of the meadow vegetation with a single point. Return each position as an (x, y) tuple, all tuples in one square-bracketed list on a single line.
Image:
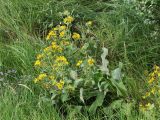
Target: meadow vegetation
[(78, 59)]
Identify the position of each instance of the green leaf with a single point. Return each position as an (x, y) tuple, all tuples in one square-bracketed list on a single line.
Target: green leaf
[(105, 62), (73, 74), (64, 97), (98, 102), (121, 89), (116, 74), (77, 82), (81, 95)]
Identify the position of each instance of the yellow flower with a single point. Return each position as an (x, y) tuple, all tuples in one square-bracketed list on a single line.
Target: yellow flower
[(56, 28), (68, 19), (60, 84), (37, 63), (40, 77), (151, 80), (39, 56), (142, 107), (91, 61), (89, 23), (79, 63), (62, 60), (61, 34), (56, 47), (52, 77), (147, 95), (35, 80), (156, 67), (158, 74), (153, 90), (50, 34), (47, 49), (76, 36), (63, 27), (152, 74)]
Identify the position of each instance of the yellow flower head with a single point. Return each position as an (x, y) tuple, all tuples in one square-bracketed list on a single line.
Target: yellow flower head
[(42, 76), (79, 63), (60, 84), (63, 27), (151, 80), (147, 95), (35, 80), (37, 63), (153, 90), (68, 19), (89, 23), (50, 34), (61, 34), (91, 61), (47, 49), (76, 36), (39, 56), (56, 47), (62, 59)]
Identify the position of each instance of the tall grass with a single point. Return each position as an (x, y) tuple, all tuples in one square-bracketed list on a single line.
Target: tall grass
[(24, 24)]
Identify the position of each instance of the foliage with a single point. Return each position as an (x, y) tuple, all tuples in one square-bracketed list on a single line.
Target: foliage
[(151, 97), (69, 66)]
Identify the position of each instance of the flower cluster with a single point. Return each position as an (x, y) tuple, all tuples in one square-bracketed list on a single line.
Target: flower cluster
[(68, 63), (153, 89), (58, 56)]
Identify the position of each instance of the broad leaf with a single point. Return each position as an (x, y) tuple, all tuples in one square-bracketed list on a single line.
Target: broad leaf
[(105, 62), (98, 102)]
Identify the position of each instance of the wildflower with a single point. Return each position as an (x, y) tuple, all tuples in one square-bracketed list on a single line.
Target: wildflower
[(91, 61), (153, 90), (47, 49), (60, 84), (151, 80), (37, 63), (89, 23), (158, 74), (152, 74), (35, 80), (39, 56), (56, 47), (68, 19), (156, 68), (52, 77), (142, 107), (63, 27), (50, 34), (149, 106), (79, 63), (61, 34), (64, 43), (147, 95), (40, 77), (76, 36), (62, 59)]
